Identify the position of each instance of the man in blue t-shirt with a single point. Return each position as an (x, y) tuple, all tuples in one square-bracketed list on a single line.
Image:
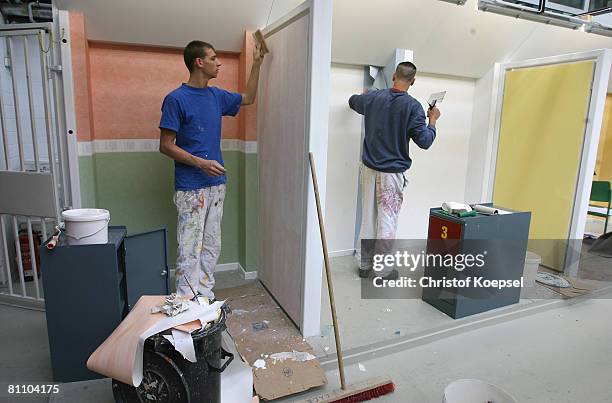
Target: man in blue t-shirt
[(392, 119), (191, 135)]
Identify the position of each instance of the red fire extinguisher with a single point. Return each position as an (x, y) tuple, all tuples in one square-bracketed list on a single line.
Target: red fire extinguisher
[(26, 258)]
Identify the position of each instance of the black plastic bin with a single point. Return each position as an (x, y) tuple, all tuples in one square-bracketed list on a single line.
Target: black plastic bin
[(169, 378)]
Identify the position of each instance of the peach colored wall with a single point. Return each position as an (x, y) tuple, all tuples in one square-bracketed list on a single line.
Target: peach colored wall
[(129, 84), (80, 74), (119, 88), (248, 118)]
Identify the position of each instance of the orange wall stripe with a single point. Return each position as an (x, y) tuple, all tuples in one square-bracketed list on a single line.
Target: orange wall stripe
[(129, 83), (80, 74)]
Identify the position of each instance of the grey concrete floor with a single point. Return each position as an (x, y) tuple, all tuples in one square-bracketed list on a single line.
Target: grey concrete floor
[(593, 266), (364, 322), (24, 345), (561, 353)]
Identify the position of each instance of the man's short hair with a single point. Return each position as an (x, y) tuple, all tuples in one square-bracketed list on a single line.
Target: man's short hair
[(405, 71), (193, 50)]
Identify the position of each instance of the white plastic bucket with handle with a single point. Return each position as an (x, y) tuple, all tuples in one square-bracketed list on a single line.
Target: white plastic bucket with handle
[(86, 226), (475, 391)]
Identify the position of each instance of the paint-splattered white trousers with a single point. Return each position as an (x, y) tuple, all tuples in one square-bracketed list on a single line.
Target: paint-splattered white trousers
[(382, 195), (199, 238)]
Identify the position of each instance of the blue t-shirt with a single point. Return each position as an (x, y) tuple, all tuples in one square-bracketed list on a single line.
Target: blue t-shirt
[(194, 114)]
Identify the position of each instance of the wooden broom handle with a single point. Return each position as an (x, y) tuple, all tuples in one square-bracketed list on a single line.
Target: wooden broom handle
[(330, 288)]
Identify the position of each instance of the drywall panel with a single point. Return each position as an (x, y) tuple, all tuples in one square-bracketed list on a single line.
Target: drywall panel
[(317, 118), (479, 139), (343, 158), (282, 147), (544, 108), (439, 173), (292, 119)]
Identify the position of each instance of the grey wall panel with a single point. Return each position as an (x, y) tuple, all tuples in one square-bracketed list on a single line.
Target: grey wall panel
[(282, 147), (27, 193)]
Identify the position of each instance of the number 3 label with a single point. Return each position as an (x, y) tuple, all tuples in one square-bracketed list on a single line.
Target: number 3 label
[(444, 234)]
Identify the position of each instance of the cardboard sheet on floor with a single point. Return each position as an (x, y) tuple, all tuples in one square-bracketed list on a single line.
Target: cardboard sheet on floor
[(579, 287), (262, 332)]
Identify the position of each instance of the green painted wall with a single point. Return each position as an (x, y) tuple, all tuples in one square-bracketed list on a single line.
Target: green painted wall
[(251, 209), (88, 181), (137, 189)]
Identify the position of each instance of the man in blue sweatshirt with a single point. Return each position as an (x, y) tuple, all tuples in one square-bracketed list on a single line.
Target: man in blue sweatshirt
[(392, 119)]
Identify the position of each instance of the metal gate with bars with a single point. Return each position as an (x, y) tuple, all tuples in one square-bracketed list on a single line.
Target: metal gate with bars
[(34, 177)]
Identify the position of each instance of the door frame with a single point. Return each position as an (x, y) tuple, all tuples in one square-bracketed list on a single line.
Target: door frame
[(66, 109), (603, 63)]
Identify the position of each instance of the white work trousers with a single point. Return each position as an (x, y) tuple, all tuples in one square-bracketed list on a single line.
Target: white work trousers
[(382, 195), (199, 238)]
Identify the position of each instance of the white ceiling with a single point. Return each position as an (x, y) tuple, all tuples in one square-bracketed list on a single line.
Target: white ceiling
[(445, 38), (176, 22)]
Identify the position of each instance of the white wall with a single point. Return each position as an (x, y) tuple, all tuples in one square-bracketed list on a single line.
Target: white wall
[(481, 128), (437, 174), (342, 157)]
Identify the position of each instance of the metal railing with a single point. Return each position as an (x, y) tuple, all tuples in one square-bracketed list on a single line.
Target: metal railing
[(30, 148)]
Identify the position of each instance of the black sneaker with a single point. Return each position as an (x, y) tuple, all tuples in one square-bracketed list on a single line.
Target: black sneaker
[(365, 273), (392, 275), (199, 294)]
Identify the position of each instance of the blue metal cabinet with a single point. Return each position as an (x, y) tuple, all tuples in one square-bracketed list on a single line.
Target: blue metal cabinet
[(146, 262), (503, 238), (89, 289)]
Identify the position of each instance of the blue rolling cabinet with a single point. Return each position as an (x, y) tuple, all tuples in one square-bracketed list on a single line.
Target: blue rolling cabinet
[(504, 238), (89, 289)]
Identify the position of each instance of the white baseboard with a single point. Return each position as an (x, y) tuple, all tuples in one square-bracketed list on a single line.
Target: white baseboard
[(345, 252), (247, 275), (228, 266), (596, 226)]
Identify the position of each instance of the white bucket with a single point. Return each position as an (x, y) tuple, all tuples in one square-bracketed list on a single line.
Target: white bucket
[(532, 262), (475, 391), (86, 226)]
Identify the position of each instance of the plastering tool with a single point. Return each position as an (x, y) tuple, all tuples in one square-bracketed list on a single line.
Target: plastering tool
[(259, 38), (195, 295), (436, 98)]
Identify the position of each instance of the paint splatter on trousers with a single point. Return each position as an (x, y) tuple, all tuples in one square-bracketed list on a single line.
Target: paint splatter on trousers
[(199, 238), (382, 195)]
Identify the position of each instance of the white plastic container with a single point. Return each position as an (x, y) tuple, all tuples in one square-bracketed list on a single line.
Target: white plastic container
[(532, 262), (475, 391), (86, 226)]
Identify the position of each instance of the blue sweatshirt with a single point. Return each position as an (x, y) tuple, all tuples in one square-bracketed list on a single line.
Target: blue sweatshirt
[(392, 118)]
